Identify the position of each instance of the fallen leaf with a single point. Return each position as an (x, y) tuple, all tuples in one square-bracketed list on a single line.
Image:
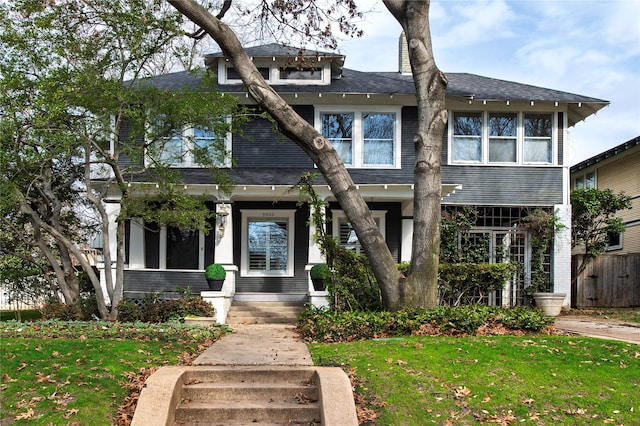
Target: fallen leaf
[(29, 414), (69, 413)]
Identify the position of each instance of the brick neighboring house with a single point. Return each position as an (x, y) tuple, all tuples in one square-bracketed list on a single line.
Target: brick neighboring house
[(503, 152), (617, 169)]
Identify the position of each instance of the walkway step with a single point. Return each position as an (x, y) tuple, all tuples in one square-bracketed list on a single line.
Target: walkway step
[(264, 312), (251, 395)]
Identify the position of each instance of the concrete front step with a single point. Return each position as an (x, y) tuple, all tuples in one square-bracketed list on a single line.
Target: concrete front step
[(249, 395), (266, 411), (263, 312)]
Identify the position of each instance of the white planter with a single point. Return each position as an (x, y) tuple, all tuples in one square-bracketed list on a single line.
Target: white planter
[(550, 303)]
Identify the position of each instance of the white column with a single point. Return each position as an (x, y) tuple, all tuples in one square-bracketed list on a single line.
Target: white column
[(561, 273), (136, 244), (406, 247), (224, 236), (315, 255)]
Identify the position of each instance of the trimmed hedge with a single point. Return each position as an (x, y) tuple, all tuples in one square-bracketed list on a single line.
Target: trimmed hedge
[(323, 325)]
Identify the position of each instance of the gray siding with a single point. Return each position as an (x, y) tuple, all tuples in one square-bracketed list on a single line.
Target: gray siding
[(511, 186), (138, 282), (260, 144)]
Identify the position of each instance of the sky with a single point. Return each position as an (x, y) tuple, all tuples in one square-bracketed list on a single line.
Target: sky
[(591, 48)]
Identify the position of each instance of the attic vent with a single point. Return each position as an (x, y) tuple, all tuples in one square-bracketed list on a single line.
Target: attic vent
[(404, 66)]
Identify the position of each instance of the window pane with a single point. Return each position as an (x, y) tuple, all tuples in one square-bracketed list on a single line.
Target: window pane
[(292, 73), (590, 180), (537, 150), (502, 150), (338, 128), (467, 148), (537, 138), (579, 182), (232, 73), (208, 146), (378, 132), (268, 245), (467, 136), (348, 238), (182, 248), (172, 151), (537, 125), (503, 124)]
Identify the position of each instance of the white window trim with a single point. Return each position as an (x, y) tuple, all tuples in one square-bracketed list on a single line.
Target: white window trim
[(187, 141), (519, 140), (274, 74), (357, 137), (289, 216), (381, 215), (616, 246), (583, 176)]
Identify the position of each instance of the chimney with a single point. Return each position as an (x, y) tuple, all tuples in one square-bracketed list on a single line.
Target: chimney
[(404, 66)]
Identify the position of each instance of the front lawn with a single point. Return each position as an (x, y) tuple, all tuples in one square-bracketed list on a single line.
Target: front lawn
[(79, 373), (532, 380)]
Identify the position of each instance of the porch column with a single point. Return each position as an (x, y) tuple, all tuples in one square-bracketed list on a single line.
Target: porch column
[(406, 247), (136, 244), (561, 273), (224, 235), (317, 298)]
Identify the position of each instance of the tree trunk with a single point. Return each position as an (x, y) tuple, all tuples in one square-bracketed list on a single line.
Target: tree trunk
[(421, 287), (314, 144)]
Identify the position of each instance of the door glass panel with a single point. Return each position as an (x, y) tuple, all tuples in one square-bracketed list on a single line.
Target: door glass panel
[(268, 245)]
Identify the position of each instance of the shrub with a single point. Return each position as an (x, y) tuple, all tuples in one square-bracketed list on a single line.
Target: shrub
[(215, 271), (54, 309), (324, 325), (471, 282), (176, 309), (321, 270), (129, 312)]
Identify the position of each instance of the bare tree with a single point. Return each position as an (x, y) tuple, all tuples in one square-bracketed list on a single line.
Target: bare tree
[(419, 289)]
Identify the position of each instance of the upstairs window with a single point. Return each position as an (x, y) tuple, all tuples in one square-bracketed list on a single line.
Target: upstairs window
[(467, 136), (537, 138), (363, 138), (501, 137), (192, 147), (293, 73)]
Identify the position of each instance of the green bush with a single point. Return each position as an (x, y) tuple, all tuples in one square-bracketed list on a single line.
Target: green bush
[(324, 325), (177, 309), (129, 312), (321, 270), (215, 272), (54, 309), (460, 283)]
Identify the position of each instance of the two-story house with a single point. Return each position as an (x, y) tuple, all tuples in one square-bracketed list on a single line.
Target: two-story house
[(503, 152), (617, 169)]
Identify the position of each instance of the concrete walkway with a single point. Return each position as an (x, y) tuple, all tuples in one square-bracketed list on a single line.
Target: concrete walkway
[(601, 328), (258, 344)]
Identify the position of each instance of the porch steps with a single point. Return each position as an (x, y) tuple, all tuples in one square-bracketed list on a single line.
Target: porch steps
[(260, 312), (249, 395)]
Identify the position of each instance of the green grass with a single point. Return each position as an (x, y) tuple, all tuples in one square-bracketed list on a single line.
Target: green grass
[(542, 380), (25, 315), (82, 379)]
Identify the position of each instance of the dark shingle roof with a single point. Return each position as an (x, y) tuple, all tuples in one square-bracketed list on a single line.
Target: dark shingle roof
[(469, 86), (623, 147)]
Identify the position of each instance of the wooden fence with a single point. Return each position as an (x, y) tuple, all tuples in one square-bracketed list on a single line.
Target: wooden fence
[(608, 281)]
